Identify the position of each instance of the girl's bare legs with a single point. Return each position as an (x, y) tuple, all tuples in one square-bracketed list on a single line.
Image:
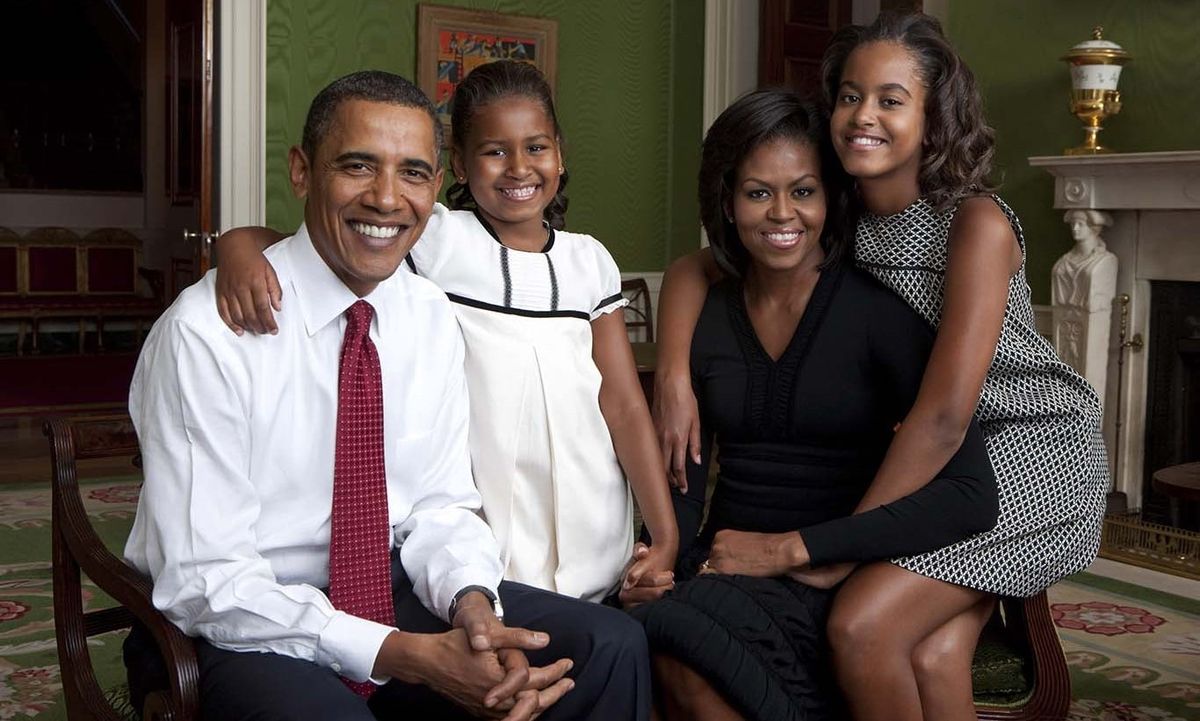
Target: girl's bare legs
[(684, 695), (879, 618), (942, 664)]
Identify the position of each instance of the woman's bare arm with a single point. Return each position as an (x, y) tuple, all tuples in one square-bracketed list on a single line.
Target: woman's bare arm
[(247, 288)]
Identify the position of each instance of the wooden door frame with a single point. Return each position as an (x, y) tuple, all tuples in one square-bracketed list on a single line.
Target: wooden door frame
[(207, 148)]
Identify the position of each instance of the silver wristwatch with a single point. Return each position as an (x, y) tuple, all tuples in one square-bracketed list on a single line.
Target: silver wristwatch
[(497, 607)]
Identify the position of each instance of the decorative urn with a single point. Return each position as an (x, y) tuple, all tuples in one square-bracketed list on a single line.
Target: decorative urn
[(1095, 71)]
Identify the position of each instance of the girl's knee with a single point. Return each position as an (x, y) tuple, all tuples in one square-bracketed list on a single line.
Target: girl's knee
[(855, 630), (936, 663)]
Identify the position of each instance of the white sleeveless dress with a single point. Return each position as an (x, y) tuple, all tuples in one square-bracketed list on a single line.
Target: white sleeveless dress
[(553, 491), (1040, 419)]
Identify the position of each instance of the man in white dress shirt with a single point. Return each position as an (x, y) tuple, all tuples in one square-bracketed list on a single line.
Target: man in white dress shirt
[(239, 438)]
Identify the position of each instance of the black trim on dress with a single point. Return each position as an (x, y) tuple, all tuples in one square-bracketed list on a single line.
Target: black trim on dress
[(506, 274), (608, 301), (553, 284), (483, 305), (492, 231)]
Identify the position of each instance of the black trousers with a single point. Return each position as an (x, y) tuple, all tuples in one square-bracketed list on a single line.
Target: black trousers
[(611, 671)]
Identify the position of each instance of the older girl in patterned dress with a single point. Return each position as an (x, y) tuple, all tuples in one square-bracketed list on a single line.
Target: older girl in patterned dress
[(907, 124)]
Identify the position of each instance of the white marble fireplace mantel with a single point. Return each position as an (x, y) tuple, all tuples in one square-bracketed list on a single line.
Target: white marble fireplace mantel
[(1154, 199)]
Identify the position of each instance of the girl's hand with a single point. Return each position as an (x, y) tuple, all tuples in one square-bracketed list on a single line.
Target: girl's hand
[(648, 575), (755, 554), (677, 421), (824, 577), (247, 287)]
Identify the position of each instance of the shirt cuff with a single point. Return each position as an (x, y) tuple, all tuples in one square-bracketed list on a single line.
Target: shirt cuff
[(349, 646)]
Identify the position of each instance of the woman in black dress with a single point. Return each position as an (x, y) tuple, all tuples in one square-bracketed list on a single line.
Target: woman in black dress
[(802, 367)]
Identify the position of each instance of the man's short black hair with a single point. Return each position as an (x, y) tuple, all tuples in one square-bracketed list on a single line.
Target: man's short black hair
[(373, 85)]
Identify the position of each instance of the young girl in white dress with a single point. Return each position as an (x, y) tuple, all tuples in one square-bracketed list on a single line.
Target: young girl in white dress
[(558, 418)]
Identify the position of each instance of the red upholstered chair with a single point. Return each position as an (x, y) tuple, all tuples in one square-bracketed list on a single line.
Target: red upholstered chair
[(10, 267), (52, 258), (111, 270)]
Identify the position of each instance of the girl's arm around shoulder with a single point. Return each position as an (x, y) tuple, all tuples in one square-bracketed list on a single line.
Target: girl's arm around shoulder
[(247, 288), (676, 417)]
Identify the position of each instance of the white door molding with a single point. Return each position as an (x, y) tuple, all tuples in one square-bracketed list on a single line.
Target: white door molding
[(730, 57), (242, 113), (730, 53)]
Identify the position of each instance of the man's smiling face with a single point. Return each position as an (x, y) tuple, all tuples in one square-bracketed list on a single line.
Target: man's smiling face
[(369, 189)]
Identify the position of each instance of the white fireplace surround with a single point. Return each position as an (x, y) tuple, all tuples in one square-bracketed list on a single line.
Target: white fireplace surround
[(1154, 199)]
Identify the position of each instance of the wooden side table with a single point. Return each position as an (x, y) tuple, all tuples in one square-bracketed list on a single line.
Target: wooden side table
[(1178, 483)]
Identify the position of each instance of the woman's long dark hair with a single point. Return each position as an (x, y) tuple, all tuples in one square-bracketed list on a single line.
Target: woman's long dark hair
[(486, 84), (958, 146), (750, 121)]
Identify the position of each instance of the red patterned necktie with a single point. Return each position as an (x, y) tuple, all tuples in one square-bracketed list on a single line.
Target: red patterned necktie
[(359, 567)]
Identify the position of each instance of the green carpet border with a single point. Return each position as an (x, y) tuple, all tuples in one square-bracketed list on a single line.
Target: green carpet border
[(1137, 593)]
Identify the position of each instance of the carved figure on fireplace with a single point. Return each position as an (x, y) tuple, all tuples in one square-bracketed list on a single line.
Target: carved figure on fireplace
[(1086, 276), (1083, 285)]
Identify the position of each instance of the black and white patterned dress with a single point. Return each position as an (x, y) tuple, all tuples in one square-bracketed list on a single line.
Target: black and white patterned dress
[(1040, 418)]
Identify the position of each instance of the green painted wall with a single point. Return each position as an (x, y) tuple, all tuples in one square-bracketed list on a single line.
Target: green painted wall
[(629, 98), (1014, 48)]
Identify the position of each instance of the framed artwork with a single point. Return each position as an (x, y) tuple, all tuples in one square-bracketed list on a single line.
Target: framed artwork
[(453, 41)]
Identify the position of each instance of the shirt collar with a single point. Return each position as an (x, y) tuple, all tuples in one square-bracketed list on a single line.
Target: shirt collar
[(321, 295)]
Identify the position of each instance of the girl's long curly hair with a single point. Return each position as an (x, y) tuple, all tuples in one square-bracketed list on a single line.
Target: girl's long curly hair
[(959, 144), (487, 84)]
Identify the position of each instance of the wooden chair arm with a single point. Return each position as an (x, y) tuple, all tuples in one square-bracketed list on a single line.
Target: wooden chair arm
[(77, 545), (1051, 696), (1053, 684)]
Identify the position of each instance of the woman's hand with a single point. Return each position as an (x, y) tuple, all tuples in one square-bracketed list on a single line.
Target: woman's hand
[(756, 554), (677, 422), (247, 287), (825, 576), (648, 575)]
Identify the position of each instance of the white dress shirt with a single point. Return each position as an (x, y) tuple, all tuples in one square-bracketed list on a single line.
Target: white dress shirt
[(237, 438)]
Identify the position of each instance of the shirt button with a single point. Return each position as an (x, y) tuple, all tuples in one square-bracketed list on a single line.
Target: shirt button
[(337, 667)]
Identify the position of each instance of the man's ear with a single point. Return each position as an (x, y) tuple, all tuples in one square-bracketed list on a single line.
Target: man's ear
[(437, 177), (298, 170)]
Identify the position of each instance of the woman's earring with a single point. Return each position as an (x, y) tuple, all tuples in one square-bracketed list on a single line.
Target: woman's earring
[(561, 170), (461, 179)]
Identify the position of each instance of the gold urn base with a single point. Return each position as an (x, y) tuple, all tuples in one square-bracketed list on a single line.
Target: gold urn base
[(1088, 150), (1093, 107)]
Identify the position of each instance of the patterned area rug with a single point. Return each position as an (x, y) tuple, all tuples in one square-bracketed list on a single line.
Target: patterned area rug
[(29, 680), (1134, 653)]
